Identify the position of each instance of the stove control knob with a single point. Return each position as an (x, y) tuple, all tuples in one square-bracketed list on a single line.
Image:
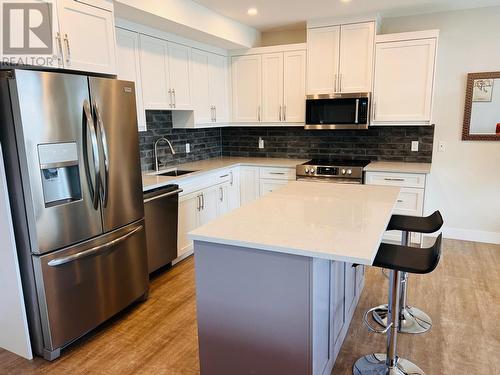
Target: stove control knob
[(312, 170), (307, 170), (343, 171), (349, 172)]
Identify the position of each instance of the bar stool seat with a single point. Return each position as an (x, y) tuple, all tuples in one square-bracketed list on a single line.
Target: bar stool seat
[(413, 320), (398, 259), (417, 224)]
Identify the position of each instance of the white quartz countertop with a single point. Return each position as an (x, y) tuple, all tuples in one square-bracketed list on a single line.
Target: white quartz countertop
[(339, 222), (151, 181), (399, 167)]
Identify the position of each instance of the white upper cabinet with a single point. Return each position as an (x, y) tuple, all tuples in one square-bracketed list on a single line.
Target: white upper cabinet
[(129, 68), (200, 83), (340, 58), (154, 73), (294, 86), (87, 37), (322, 59), (272, 87), (246, 83), (219, 87), (356, 57), (179, 80), (404, 79)]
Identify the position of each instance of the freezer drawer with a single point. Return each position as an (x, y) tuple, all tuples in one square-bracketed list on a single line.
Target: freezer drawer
[(82, 286)]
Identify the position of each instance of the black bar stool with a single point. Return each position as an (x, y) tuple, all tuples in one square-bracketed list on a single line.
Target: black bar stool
[(397, 259), (412, 319)]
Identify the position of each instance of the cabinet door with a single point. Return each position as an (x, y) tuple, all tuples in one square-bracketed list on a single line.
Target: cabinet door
[(218, 87), (178, 64), (272, 87), (129, 68), (234, 188), (294, 86), (350, 289), (268, 186), (200, 83), (209, 205), (246, 83), (249, 184), (322, 59), (356, 57), (404, 75), (154, 73), (189, 209), (88, 35), (337, 272)]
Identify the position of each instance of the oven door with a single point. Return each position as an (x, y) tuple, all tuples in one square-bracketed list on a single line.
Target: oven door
[(337, 111)]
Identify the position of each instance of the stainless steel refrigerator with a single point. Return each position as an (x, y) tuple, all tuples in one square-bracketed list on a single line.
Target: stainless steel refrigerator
[(72, 158)]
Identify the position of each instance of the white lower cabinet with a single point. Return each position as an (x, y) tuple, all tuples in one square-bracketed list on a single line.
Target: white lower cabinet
[(268, 186), (188, 220), (411, 198), (249, 184)]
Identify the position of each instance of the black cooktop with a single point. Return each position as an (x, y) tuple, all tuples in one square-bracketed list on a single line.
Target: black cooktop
[(338, 162)]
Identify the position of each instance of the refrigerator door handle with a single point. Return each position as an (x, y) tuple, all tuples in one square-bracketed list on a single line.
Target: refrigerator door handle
[(104, 144), (94, 250), (89, 126)]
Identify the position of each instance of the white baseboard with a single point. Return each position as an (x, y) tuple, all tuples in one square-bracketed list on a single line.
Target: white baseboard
[(471, 235)]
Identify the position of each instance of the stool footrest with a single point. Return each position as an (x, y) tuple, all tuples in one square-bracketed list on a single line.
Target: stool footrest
[(369, 326)]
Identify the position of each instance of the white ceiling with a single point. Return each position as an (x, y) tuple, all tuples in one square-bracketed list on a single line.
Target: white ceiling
[(278, 13)]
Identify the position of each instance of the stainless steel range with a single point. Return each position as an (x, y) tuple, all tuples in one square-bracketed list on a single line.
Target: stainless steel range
[(338, 171)]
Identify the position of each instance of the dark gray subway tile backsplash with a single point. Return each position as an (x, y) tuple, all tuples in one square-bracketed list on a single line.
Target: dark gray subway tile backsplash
[(205, 143), (381, 143)]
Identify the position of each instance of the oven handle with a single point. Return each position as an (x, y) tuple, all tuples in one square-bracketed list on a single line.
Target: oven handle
[(331, 180), (175, 192), (356, 118)]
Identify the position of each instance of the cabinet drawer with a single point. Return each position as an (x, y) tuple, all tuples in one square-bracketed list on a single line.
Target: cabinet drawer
[(268, 186), (411, 180), (277, 173), (410, 202)]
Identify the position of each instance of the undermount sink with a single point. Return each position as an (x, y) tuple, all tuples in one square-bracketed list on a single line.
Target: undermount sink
[(175, 172)]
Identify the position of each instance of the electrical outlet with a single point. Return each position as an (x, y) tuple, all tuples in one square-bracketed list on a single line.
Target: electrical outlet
[(188, 148), (261, 143), (414, 146), (442, 146)]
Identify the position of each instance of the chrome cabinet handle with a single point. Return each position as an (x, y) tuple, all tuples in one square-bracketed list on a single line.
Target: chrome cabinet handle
[(66, 41), (59, 46), (340, 82), (258, 113), (374, 109), (356, 115), (221, 194), (280, 113), (175, 99), (335, 83), (198, 202), (90, 126), (215, 113), (280, 173), (94, 250), (224, 175), (284, 113), (400, 201), (202, 201), (231, 181), (104, 145), (170, 95), (394, 179), (169, 194)]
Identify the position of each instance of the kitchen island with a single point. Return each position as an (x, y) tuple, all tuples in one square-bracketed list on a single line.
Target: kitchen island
[(276, 287)]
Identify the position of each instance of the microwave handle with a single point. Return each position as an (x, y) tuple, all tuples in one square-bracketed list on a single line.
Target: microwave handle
[(356, 118)]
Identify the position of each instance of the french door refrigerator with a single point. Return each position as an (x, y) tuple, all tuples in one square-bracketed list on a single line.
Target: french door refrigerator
[(72, 157)]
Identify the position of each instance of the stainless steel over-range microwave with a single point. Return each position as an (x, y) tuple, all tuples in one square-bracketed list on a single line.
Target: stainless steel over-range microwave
[(338, 111)]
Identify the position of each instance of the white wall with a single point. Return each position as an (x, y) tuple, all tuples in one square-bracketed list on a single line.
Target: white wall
[(14, 334), (465, 179)]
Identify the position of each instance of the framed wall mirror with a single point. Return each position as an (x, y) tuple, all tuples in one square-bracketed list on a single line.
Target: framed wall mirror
[(482, 107)]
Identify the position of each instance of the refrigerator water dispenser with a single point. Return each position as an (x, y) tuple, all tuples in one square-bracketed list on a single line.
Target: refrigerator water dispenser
[(60, 173)]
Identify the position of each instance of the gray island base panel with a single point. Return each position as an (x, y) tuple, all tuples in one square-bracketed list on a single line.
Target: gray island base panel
[(263, 312)]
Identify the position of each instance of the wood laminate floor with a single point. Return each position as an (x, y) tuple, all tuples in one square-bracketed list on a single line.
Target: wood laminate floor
[(159, 336)]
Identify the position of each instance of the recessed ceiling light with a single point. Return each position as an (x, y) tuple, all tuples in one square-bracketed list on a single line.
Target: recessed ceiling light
[(345, 1), (252, 11)]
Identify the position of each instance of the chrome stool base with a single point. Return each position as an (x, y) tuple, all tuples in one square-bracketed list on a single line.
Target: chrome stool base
[(413, 321), (374, 364)]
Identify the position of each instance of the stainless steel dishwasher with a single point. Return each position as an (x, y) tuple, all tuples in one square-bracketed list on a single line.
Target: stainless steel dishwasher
[(161, 207)]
